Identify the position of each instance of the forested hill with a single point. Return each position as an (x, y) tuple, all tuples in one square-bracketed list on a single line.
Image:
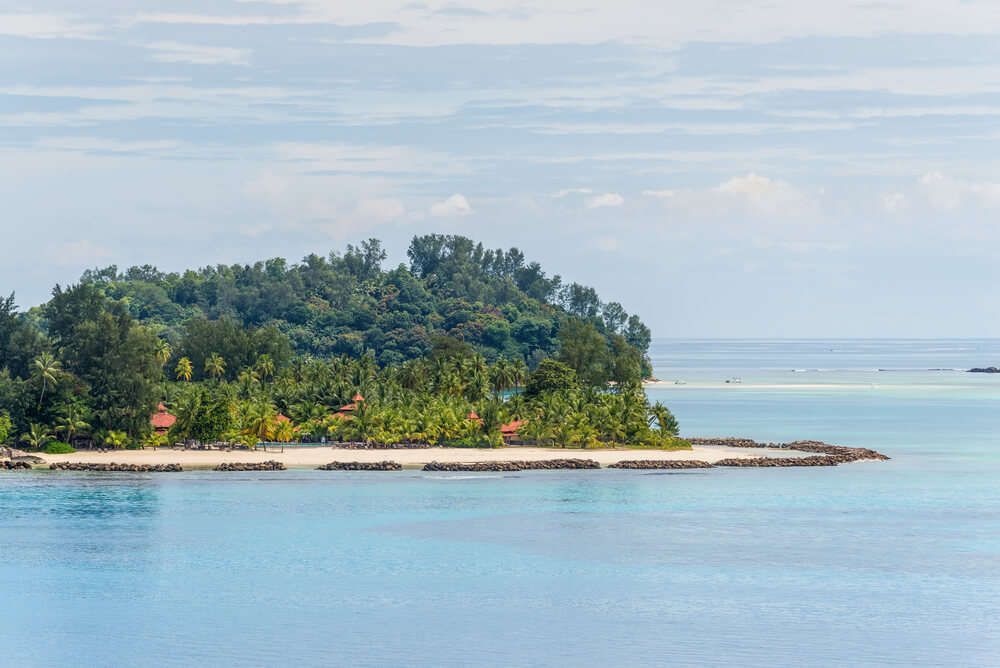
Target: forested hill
[(347, 303)]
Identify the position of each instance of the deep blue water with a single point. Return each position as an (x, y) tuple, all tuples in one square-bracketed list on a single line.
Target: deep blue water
[(890, 563)]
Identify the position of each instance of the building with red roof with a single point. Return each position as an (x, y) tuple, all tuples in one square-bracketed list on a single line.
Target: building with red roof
[(162, 421), (510, 430)]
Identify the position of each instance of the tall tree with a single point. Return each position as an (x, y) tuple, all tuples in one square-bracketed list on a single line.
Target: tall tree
[(47, 369)]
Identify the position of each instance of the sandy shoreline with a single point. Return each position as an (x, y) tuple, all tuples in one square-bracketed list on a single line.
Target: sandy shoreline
[(313, 457)]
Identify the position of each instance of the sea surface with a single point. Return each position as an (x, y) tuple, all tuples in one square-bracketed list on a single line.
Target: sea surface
[(867, 564)]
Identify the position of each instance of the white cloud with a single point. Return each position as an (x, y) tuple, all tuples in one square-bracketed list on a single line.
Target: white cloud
[(607, 199), (765, 195), (197, 54), (571, 191), (946, 193), (45, 26), (456, 205), (594, 21)]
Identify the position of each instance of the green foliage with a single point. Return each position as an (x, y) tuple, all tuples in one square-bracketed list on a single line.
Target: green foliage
[(551, 376), (59, 448), (492, 300), (228, 347), (5, 426)]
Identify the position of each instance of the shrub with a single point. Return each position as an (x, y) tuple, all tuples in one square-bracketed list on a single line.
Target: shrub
[(59, 448)]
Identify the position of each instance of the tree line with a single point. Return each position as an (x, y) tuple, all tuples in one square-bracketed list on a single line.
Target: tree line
[(462, 330)]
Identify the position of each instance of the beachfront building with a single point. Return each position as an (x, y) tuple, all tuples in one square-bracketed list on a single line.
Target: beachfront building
[(162, 421), (509, 431)]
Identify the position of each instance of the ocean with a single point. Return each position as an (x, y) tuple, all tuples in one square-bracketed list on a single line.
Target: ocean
[(866, 564)]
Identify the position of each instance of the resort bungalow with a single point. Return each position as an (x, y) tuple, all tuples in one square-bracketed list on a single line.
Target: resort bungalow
[(162, 421), (509, 431), (344, 412)]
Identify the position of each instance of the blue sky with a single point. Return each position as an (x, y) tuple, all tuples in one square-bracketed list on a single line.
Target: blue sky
[(753, 168)]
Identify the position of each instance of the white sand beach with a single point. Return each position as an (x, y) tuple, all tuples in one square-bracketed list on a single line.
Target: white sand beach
[(311, 457)]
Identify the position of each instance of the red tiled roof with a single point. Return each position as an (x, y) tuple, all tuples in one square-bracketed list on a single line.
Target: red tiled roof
[(281, 418), (511, 428), (348, 407), (357, 397), (162, 419)]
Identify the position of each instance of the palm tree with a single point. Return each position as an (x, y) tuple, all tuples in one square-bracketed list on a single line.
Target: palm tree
[(664, 419), (215, 366), (284, 432), (116, 439), (518, 373), (184, 369), (37, 436), (186, 409), (47, 368), (265, 366), (71, 422), (163, 350)]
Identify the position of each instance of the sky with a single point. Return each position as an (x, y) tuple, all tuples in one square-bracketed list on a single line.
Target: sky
[(751, 168)]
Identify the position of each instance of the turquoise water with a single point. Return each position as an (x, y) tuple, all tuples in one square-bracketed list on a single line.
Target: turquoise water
[(890, 563)]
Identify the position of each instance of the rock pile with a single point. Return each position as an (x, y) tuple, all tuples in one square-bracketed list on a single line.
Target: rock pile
[(113, 467), (813, 460), (269, 465), (361, 466), (551, 464), (8, 465), (660, 464), (837, 453)]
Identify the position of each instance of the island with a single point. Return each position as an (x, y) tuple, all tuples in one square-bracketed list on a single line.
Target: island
[(466, 357)]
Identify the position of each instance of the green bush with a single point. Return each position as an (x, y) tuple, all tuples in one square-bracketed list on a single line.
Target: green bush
[(59, 448)]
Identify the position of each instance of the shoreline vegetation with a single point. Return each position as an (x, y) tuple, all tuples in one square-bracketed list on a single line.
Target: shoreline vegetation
[(466, 347)]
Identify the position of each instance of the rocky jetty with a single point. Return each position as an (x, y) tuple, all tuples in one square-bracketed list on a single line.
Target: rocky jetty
[(988, 369), (660, 464), (269, 465), (750, 462), (361, 466), (838, 453), (547, 465), (8, 465), (112, 467)]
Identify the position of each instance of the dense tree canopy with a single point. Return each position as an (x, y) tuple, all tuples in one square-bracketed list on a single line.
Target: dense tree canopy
[(227, 347)]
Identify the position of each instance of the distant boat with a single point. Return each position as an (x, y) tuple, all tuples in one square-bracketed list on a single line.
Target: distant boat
[(735, 381), (680, 382)]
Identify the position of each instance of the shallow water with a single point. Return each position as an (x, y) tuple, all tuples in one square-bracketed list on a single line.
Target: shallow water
[(890, 563)]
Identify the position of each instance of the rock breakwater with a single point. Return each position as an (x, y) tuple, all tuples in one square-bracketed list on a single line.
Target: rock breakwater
[(660, 464), (112, 467), (269, 465), (361, 466), (545, 465), (8, 465), (839, 454)]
